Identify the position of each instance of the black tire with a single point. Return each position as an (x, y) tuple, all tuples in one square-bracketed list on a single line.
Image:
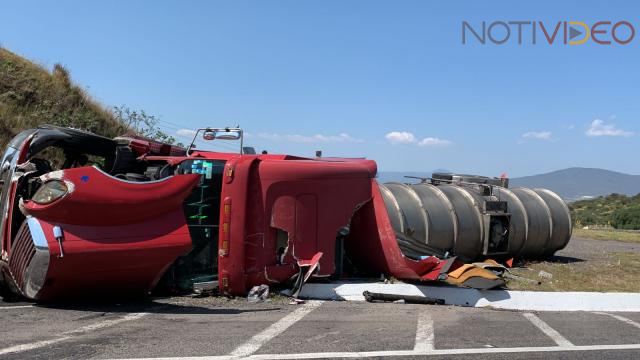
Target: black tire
[(6, 292)]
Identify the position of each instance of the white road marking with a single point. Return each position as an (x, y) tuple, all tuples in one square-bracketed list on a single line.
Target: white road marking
[(71, 334), (31, 346), (106, 324), (406, 353), (621, 318), (339, 355), (15, 307), (277, 328), (424, 333), (548, 330)]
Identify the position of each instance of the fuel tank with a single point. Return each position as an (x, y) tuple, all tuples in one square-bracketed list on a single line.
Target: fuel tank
[(475, 217)]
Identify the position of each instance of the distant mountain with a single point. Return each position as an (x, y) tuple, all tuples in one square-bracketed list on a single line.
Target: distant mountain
[(571, 184), (580, 183)]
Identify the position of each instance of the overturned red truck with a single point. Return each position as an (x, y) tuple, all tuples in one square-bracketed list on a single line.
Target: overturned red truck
[(87, 215)]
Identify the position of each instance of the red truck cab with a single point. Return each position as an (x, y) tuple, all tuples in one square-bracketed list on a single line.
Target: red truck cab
[(121, 216)]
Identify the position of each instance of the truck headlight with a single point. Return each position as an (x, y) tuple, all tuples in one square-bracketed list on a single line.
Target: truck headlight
[(50, 192)]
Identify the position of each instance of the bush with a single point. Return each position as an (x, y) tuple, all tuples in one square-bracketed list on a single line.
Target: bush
[(627, 218), (615, 210)]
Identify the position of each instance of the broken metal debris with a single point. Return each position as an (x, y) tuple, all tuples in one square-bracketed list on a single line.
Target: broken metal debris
[(205, 288), (258, 293), (469, 275), (408, 299), (545, 275)]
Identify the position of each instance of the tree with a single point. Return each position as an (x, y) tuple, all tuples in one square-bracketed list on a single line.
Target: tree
[(143, 124)]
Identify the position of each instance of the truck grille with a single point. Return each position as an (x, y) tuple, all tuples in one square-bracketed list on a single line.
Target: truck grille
[(22, 251)]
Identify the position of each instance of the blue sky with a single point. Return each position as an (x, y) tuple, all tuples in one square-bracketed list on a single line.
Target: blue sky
[(389, 80)]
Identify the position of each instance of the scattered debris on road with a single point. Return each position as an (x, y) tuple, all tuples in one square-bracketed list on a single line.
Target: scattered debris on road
[(258, 293), (408, 299)]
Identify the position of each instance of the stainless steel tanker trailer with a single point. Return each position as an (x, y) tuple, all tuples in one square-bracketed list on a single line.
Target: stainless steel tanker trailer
[(476, 217)]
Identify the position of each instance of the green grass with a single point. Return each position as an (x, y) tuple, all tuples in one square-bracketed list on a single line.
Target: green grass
[(616, 272), (626, 236)]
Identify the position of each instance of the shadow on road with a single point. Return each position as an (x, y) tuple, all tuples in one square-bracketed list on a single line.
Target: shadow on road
[(564, 259), (154, 307)]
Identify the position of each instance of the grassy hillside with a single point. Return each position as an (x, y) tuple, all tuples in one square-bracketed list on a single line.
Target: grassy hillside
[(31, 95), (615, 210)]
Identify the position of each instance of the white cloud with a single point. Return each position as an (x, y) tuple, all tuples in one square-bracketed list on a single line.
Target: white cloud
[(405, 137), (186, 132), (538, 135), (431, 141), (600, 128), (318, 138), (400, 137)]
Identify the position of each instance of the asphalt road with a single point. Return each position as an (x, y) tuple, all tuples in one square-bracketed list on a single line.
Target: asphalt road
[(211, 328), (218, 328)]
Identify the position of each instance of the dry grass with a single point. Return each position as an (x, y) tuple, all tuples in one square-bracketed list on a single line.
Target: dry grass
[(626, 236), (31, 95), (617, 272)]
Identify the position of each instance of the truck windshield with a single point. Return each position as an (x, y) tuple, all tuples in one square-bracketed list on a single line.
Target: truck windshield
[(202, 212)]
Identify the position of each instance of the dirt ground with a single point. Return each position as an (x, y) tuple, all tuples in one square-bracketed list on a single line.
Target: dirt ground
[(584, 248), (584, 265)]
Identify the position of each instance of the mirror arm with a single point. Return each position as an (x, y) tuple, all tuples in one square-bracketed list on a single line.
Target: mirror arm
[(195, 136)]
